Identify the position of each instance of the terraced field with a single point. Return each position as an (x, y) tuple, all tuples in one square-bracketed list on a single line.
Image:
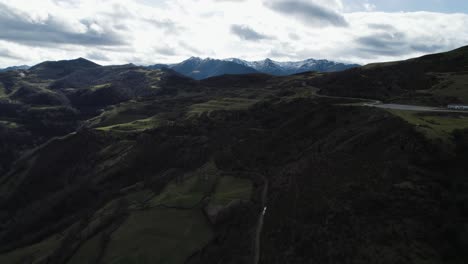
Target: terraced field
[(172, 222)]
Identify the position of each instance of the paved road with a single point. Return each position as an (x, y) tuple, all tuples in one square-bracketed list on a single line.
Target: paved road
[(261, 217), (379, 104), (413, 108)]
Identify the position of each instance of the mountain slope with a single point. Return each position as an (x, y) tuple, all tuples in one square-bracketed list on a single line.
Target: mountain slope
[(437, 79), (184, 174), (58, 69), (100, 194), (204, 68), (37, 109)]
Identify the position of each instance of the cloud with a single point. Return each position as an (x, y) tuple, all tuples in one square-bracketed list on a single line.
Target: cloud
[(5, 53), (308, 12), (385, 27), (246, 33), (166, 51), (19, 27), (169, 26), (394, 44), (168, 31), (383, 43), (424, 48), (98, 56), (294, 36)]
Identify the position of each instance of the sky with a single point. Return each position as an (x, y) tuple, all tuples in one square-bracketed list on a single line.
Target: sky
[(147, 32)]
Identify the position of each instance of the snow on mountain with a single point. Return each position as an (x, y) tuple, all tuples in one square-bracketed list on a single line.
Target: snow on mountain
[(199, 68), (293, 67)]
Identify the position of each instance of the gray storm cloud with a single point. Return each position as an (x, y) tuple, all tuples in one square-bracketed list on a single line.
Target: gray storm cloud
[(308, 12), (246, 33)]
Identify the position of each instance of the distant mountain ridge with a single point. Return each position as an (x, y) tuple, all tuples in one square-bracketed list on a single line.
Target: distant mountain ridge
[(199, 68), (14, 68), (58, 69), (294, 67)]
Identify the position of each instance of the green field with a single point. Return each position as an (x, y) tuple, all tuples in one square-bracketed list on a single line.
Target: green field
[(100, 86), (153, 232), (229, 104), (231, 189), (9, 124), (190, 190), (120, 114), (434, 126), (158, 235)]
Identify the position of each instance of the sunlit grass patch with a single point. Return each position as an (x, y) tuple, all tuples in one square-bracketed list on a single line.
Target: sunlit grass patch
[(9, 124), (134, 126), (126, 112), (434, 126), (100, 86), (189, 190), (231, 189), (158, 235), (229, 104)]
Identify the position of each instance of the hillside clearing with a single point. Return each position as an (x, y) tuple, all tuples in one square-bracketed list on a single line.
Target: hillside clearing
[(434, 126)]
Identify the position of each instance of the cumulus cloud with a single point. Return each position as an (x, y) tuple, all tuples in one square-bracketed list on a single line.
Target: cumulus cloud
[(309, 12), (19, 27)]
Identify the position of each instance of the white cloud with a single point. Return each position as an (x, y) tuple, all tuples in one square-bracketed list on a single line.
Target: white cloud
[(155, 31)]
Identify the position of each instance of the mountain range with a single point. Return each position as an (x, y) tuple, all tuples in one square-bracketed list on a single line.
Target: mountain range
[(127, 164), (198, 68), (278, 68), (13, 68)]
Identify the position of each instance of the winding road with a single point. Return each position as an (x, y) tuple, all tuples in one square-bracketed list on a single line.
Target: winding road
[(261, 217), (379, 104)]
